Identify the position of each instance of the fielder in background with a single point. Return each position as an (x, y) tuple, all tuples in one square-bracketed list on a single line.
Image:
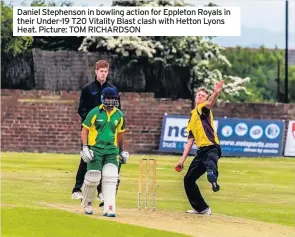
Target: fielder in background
[(91, 97), (201, 130), (102, 137)]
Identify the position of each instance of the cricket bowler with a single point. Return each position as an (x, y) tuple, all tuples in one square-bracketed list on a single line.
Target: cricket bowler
[(201, 130)]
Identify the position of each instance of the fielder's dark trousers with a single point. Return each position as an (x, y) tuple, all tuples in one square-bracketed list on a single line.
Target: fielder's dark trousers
[(80, 178), (206, 159)]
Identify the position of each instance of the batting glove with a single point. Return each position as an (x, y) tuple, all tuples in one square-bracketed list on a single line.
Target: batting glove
[(86, 154), (124, 155)]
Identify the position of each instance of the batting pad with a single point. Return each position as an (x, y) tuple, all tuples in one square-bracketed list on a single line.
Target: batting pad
[(91, 180), (109, 183)]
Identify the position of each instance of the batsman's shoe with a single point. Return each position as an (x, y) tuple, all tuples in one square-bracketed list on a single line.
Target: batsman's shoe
[(77, 195), (110, 213), (88, 209), (100, 197), (207, 211), (213, 180)]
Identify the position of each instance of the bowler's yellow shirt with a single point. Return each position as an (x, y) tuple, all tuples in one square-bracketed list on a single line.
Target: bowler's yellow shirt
[(201, 127)]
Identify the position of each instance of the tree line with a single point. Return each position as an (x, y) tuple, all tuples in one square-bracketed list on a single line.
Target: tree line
[(251, 75)]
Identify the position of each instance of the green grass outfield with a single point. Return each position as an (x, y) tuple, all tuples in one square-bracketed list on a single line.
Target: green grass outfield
[(254, 188)]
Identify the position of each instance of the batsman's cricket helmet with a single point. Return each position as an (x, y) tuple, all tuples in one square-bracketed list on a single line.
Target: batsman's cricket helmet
[(110, 97)]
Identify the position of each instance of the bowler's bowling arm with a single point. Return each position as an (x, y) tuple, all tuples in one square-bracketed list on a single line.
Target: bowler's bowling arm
[(187, 148)]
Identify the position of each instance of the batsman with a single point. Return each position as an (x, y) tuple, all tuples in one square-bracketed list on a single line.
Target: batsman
[(102, 137)]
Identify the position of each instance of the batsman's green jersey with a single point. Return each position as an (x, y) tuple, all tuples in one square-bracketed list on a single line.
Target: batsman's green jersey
[(102, 137)]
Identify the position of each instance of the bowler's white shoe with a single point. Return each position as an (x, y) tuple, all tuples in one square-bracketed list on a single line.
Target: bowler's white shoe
[(88, 209), (77, 195), (207, 211)]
